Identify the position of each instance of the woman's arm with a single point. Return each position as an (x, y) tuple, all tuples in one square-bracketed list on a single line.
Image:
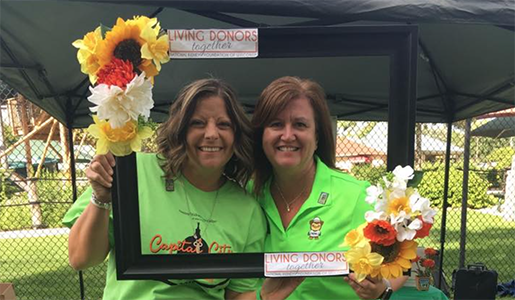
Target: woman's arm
[(88, 243)]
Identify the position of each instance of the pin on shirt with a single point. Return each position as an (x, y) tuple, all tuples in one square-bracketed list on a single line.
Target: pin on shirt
[(169, 185), (322, 199)]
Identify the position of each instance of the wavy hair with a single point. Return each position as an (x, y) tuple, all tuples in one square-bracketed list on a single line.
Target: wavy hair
[(171, 137)]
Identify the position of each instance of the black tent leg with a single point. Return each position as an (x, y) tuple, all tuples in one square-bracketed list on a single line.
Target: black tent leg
[(81, 285), (464, 194), (445, 202)]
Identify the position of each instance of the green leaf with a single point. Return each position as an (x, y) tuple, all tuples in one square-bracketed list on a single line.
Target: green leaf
[(103, 30), (417, 178)]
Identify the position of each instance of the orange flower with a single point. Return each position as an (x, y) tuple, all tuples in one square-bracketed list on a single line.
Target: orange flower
[(424, 231), (118, 72), (430, 252), (428, 263), (380, 232)]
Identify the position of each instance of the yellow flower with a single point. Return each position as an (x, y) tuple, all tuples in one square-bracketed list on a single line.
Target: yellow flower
[(149, 68), (155, 48), (144, 21), (355, 237), (86, 55), (397, 205), (394, 269), (122, 31), (363, 261), (120, 141)]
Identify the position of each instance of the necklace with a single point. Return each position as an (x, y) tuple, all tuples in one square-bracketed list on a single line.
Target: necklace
[(288, 205), (197, 216)]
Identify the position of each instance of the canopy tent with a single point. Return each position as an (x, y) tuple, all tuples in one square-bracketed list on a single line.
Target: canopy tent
[(465, 63)]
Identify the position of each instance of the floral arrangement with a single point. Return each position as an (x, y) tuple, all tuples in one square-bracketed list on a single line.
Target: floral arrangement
[(426, 264), (384, 246), (121, 63)]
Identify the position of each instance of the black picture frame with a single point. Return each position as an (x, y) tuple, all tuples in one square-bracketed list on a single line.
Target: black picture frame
[(399, 43)]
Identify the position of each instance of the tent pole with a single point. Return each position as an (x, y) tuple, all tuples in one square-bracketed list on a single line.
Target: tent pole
[(402, 104), (443, 224), (69, 125), (437, 78), (507, 85), (464, 195)]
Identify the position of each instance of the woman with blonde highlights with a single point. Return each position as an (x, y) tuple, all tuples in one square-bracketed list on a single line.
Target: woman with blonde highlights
[(310, 206), (191, 200)]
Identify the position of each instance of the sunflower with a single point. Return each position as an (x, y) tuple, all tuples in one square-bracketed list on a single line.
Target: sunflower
[(397, 205), (123, 42), (120, 141), (393, 268)]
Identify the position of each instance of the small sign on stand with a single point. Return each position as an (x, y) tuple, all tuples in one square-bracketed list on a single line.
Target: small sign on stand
[(301, 264), (213, 43)]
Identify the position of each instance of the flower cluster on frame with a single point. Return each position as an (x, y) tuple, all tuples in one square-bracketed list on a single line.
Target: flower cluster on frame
[(384, 246), (121, 63), (426, 264)]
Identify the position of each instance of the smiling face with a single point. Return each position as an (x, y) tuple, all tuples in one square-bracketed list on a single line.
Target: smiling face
[(209, 138), (289, 140)]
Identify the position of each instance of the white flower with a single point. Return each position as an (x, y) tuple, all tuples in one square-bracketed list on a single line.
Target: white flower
[(400, 218), (373, 193), (372, 215), (421, 204), (405, 173), (407, 232), (401, 177), (118, 105)]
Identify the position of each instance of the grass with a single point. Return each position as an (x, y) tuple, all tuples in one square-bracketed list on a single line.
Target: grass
[(38, 266), (489, 239)]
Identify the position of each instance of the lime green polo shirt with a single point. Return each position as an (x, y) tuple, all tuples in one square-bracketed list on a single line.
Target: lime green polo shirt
[(185, 220), (338, 200)]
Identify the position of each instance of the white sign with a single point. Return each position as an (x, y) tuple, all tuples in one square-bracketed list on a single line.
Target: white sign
[(213, 43), (301, 264)]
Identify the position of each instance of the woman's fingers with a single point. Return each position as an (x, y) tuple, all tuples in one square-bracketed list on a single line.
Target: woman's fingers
[(100, 170), (366, 289)]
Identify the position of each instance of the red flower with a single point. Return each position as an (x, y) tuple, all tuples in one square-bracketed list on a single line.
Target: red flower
[(118, 72), (424, 231), (428, 263), (430, 252), (416, 259), (380, 232)]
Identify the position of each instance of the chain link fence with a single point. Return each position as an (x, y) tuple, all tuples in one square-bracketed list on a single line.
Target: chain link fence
[(36, 191), (488, 232)]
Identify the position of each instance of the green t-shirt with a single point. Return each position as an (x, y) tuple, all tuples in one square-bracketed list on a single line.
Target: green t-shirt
[(338, 200), (184, 220)]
